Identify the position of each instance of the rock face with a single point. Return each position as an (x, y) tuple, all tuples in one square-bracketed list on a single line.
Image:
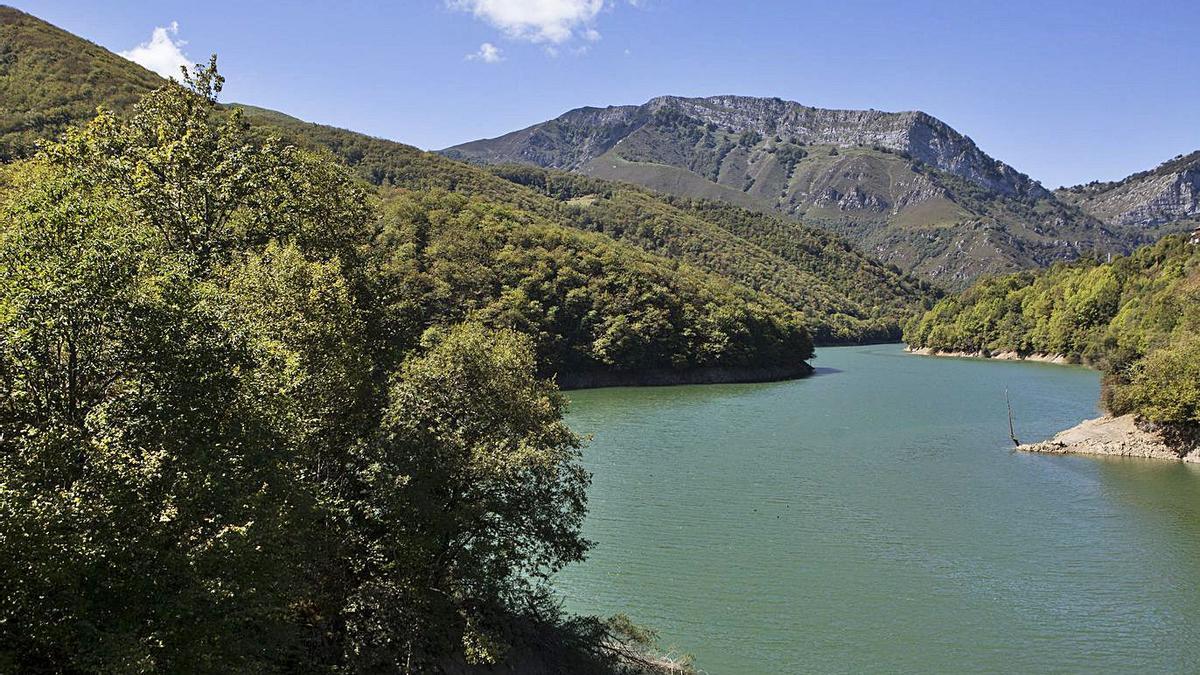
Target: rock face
[(1162, 200), (572, 140), (1057, 359), (1116, 436), (905, 186), (567, 142)]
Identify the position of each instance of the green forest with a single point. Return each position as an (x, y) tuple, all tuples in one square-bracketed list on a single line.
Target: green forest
[(51, 80), (844, 296), (1136, 318), (841, 295), (254, 418)]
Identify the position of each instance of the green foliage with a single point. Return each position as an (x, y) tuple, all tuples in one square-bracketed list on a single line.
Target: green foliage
[(137, 452), (749, 138), (214, 457), (470, 499), (1165, 386), (51, 80), (844, 296), (587, 302), (1133, 317), (789, 155)]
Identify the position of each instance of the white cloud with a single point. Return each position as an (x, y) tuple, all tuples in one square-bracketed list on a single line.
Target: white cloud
[(162, 54), (549, 21), (488, 53)]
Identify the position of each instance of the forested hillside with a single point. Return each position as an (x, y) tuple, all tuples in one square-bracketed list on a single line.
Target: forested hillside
[(840, 295), (862, 300), (1137, 318), (845, 296), (50, 80), (587, 302)]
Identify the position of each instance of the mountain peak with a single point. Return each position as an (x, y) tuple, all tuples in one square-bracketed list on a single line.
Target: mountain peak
[(906, 186), (580, 136)]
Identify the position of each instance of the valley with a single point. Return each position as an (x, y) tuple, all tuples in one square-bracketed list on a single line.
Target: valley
[(617, 393)]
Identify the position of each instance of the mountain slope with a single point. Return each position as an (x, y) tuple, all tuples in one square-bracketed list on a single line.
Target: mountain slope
[(844, 295), (1163, 200), (905, 186), (51, 79), (841, 295)]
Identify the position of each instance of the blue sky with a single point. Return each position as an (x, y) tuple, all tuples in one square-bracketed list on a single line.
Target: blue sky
[(1065, 91)]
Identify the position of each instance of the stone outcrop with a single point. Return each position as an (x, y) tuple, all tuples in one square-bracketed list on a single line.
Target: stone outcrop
[(581, 135), (1120, 436), (920, 136), (1150, 199), (1060, 359)]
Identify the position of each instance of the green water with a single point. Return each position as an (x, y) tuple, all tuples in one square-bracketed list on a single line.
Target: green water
[(874, 518)]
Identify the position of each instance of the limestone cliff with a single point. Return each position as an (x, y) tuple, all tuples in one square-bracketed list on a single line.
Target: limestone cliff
[(905, 186), (1164, 199)]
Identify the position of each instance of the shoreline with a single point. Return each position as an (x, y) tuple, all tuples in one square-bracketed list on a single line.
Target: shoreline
[(1106, 435), (1038, 357), (1115, 437), (665, 377)]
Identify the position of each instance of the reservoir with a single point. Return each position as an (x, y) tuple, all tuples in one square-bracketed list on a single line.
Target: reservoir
[(875, 517)]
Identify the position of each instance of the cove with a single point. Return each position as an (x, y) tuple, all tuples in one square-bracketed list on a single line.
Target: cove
[(874, 517)]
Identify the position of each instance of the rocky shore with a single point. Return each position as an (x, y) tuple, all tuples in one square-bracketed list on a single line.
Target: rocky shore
[(1002, 356), (666, 377), (1117, 436)]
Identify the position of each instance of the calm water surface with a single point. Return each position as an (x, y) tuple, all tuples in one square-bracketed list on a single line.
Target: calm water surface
[(875, 518)]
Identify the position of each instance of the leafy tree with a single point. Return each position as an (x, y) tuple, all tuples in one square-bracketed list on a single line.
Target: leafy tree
[(474, 488), (242, 430), (147, 520), (1165, 386)]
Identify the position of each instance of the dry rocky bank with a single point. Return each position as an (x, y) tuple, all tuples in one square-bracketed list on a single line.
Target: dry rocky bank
[(1122, 436), (1002, 356)]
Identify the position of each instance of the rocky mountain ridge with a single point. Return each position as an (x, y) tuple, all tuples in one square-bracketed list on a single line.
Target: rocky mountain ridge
[(1163, 199), (905, 186), (579, 136)]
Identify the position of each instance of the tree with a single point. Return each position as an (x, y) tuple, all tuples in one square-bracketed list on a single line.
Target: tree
[(212, 457), (475, 488), (154, 510), (1165, 386)]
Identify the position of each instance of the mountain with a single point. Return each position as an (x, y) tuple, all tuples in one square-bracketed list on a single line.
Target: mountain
[(1160, 201), (907, 187), (843, 295), (767, 261), (51, 79)]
